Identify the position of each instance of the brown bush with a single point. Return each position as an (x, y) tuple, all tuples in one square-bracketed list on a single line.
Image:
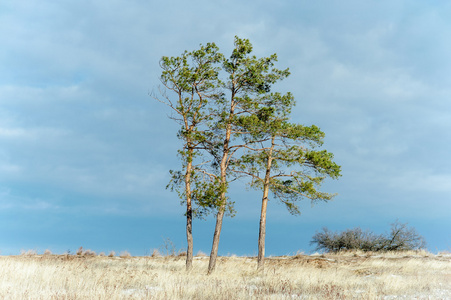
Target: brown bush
[(400, 238)]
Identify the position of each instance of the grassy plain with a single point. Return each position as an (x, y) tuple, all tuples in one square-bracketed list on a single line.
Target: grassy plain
[(411, 275)]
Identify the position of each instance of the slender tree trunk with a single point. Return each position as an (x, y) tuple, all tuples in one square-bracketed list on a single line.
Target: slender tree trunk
[(219, 218), (189, 239), (221, 211), (214, 248), (262, 234), (262, 231), (189, 212)]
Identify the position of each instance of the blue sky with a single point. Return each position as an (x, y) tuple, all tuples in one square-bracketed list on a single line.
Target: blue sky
[(85, 152)]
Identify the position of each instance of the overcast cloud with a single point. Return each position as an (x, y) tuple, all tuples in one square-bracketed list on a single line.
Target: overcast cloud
[(85, 152)]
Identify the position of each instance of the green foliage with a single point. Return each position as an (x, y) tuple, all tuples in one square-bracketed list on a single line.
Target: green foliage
[(249, 80), (232, 125), (248, 73), (204, 193), (193, 77), (283, 156)]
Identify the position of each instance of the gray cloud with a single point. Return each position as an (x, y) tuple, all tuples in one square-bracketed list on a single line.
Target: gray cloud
[(79, 132)]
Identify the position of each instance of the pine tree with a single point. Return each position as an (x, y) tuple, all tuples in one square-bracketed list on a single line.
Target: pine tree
[(193, 78)]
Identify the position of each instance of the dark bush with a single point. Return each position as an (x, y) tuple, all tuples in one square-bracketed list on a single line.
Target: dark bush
[(399, 238)]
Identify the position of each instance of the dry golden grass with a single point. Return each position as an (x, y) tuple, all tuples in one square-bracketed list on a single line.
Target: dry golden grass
[(415, 275)]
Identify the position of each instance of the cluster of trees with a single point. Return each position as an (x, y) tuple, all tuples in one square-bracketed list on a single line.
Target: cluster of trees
[(232, 125), (399, 238)]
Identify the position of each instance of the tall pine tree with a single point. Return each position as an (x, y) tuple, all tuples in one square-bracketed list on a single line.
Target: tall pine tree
[(193, 78)]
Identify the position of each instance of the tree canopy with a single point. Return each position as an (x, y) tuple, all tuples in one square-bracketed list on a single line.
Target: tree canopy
[(232, 124)]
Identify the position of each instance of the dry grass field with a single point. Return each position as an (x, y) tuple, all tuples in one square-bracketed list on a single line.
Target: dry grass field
[(411, 275)]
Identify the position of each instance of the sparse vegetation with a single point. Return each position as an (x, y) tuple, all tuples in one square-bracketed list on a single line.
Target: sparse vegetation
[(342, 275), (201, 254), (82, 252), (125, 254), (79, 251), (155, 253), (168, 248), (89, 253), (28, 252), (400, 238)]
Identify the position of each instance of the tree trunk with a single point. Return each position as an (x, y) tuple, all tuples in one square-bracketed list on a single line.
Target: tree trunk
[(189, 239), (223, 168), (189, 212), (222, 208), (262, 235), (215, 246), (262, 230), (219, 218)]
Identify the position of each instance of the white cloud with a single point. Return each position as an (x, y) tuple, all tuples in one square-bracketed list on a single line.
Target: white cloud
[(10, 201), (76, 119), (8, 169), (12, 132), (424, 181)]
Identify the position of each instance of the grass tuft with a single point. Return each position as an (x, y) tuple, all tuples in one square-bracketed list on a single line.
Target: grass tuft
[(156, 253), (28, 252), (125, 254), (201, 254)]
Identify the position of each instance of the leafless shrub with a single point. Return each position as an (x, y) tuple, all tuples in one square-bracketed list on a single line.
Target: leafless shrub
[(400, 238), (168, 248), (155, 253), (403, 238), (47, 252), (79, 251), (111, 254), (102, 254)]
